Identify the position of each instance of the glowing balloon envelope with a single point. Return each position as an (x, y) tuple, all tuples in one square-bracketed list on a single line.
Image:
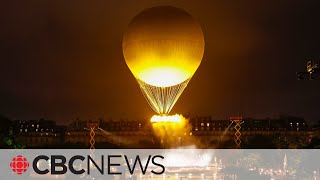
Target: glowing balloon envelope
[(163, 47)]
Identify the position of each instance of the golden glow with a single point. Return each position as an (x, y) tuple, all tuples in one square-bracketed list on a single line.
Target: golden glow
[(163, 62), (171, 130), (173, 119), (163, 46), (163, 76)]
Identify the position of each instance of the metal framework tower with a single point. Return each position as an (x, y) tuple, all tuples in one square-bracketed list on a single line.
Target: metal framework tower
[(92, 126), (237, 135)]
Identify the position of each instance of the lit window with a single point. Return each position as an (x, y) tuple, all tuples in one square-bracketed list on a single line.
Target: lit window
[(202, 124), (36, 130), (208, 124), (20, 130), (26, 130)]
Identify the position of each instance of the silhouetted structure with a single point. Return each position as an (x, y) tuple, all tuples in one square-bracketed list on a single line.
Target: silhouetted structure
[(40, 133), (206, 132)]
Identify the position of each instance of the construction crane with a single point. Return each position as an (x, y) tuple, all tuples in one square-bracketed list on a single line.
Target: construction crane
[(313, 72)]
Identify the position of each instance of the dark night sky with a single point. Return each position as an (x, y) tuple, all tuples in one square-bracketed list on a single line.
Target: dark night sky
[(63, 59)]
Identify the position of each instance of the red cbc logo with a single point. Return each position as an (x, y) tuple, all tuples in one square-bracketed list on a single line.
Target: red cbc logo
[(19, 164)]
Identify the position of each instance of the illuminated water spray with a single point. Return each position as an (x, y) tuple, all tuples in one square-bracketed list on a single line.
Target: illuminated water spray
[(163, 47)]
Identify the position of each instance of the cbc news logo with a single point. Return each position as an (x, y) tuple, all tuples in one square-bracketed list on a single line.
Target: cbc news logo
[(19, 164)]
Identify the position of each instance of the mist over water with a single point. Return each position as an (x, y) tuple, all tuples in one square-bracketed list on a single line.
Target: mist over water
[(174, 134)]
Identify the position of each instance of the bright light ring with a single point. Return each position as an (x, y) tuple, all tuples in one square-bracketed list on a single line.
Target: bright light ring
[(173, 119)]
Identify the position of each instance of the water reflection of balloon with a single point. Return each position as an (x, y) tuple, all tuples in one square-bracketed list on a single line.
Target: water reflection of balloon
[(163, 47)]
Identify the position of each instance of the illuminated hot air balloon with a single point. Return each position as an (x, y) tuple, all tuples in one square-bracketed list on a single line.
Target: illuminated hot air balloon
[(163, 47)]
